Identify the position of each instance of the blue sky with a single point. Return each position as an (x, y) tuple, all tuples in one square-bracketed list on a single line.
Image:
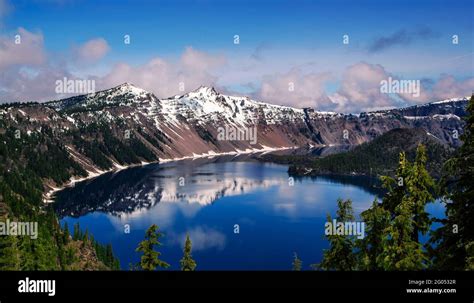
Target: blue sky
[(278, 40)]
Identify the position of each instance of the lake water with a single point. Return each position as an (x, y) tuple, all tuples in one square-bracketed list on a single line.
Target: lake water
[(208, 198)]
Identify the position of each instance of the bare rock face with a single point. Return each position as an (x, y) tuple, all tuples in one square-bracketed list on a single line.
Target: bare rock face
[(126, 124)]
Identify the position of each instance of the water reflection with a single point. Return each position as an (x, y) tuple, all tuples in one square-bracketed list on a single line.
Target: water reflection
[(134, 191), (215, 195)]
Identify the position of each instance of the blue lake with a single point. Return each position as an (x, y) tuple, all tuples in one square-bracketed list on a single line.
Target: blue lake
[(208, 199)]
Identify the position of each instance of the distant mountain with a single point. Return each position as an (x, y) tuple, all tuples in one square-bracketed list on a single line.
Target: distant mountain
[(127, 125), (377, 157)]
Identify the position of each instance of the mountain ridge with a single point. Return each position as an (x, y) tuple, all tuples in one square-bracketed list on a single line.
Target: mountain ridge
[(208, 91), (127, 125)]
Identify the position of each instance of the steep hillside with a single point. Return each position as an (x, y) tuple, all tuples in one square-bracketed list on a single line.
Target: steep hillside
[(378, 157), (127, 125)]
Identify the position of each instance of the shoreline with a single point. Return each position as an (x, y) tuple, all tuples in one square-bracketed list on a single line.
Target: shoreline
[(48, 196)]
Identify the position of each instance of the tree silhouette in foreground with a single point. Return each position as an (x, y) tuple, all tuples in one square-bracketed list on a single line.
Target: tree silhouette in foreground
[(297, 263), (340, 254), (150, 259), (392, 227), (454, 241), (187, 262)]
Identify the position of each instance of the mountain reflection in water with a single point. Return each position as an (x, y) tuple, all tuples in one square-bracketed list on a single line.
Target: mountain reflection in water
[(208, 199), (140, 188)]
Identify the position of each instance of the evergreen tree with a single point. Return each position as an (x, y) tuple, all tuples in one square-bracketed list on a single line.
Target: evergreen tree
[(77, 232), (110, 260), (297, 263), (187, 262), (376, 220), (70, 256), (406, 199), (400, 251), (116, 264), (420, 186), (66, 234), (340, 255), (85, 236), (150, 259), (45, 256), (406, 203), (454, 241), (27, 257), (10, 253), (29, 161), (396, 187)]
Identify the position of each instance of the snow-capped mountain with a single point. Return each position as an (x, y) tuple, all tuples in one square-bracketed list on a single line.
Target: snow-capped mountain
[(127, 124), (204, 104), (123, 94), (207, 106)]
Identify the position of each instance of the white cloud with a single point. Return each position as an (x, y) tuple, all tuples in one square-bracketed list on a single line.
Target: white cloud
[(295, 88), (28, 74), (200, 61), (21, 84), (24, 74), (92, 51), (30, 50), (448, 87), (162, 77), (202, 238), (360, 89)]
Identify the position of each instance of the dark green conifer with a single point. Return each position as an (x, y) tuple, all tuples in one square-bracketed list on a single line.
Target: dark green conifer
[(150, 259), (454, 241), (297, 263), (187, 262)]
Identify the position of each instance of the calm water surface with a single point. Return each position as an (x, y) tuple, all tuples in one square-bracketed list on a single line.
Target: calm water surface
[(208, 198)]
